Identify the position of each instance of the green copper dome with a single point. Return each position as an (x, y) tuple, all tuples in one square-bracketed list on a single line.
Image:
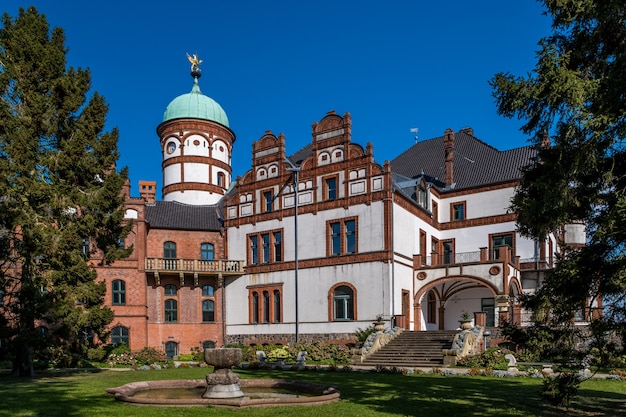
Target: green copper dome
[(195, 105)]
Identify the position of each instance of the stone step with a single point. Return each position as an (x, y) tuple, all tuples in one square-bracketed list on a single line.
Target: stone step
[(413, 349)]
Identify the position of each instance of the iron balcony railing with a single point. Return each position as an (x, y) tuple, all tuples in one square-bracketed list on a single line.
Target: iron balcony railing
[(452, 258), (194, 265)]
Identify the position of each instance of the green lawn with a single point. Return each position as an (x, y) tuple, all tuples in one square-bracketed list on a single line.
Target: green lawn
[(363, 394)]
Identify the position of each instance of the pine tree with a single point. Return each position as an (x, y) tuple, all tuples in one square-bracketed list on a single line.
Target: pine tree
[(576, 97), (59, 190)]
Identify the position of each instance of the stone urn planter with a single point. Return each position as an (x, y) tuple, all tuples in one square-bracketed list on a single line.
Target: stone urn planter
[(379, 326), (465, 324)]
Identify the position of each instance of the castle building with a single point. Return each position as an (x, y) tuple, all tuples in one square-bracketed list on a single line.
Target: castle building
[(317, 244)]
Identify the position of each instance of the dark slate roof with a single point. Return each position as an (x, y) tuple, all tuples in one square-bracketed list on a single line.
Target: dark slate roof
[(301, 155), (179, 216), (475, 162)]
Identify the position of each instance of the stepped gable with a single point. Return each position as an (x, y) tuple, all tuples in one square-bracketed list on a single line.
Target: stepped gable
[(475, 162), (179, 216)]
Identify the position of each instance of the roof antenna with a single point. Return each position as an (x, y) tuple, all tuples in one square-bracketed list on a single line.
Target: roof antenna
[(415, 130)]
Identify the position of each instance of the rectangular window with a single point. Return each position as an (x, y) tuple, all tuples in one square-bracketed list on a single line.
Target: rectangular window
[(266, 247), (118, 292), (208, 311), (331, 188), (342, 237), (498, 241), (171, 311), (254, 250), (268, 200), (458, 211), (265, 238), (350, 236), (448, 251), (335, 238), (421, 197), (488, 305), (278, 246)]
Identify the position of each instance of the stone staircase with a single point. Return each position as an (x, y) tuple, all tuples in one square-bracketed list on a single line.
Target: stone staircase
[(413, 349)]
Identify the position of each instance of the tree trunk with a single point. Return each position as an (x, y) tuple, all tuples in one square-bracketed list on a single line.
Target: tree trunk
[(23, 362)]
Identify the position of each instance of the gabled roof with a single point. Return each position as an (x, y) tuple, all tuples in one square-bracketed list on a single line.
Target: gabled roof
[(475, 162), (179, 216)]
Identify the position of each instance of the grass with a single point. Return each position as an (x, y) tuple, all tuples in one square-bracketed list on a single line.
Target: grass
[(363, 394)]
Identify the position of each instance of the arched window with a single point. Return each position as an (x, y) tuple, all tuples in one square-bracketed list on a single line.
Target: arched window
[(208, 311), (171, 310), (255, 307), (343, 303), (266, 307), (169, 255), (207, 344), (118, 292), (221, 179), (431, 307), (170, 289), (207, 252), (120, 334), (276, 306), (208, 291), (171, 350)]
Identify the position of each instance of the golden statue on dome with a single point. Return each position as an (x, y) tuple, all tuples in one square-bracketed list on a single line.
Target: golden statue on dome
[(195, 62)]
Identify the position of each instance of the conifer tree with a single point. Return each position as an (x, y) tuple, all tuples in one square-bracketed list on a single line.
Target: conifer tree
[(576, 97), (60, 197)]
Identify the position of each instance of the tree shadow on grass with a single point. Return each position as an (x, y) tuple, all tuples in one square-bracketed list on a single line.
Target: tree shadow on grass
[(51, 393), (435, 395)]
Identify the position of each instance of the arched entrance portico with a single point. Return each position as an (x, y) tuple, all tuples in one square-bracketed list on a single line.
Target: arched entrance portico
[(440, 304)]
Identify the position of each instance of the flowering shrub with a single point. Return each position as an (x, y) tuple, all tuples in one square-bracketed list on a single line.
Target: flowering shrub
[(281, 352), (618, 374), (491, 358), (319, 352), (121, 356)]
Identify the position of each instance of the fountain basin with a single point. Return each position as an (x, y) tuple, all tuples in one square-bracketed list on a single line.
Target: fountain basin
[(316, 394)]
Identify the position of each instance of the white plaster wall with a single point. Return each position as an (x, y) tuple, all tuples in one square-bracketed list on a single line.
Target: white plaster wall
[(575, 233), (220, 151), (406, 235), (171, 174), (202, 149), (312, 232), (195, 172), (369, 279), (485, 204), (193, 197)]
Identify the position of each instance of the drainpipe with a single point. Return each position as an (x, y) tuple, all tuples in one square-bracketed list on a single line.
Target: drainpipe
[(393, 268), (222, 283)]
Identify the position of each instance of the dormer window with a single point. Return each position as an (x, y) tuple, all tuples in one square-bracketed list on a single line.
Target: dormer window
[(421, 196)]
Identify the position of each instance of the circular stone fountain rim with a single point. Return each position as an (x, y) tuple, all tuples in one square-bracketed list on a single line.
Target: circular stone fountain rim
[(325, 393)]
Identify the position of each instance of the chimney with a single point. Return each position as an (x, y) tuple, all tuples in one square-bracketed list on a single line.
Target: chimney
[(147, 190), (448, 144)]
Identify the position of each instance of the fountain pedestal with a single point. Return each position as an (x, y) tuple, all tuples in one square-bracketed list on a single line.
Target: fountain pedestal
[(223, 382)]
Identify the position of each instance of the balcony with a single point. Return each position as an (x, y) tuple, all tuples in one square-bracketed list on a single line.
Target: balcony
[(195, 267), (478, 257)]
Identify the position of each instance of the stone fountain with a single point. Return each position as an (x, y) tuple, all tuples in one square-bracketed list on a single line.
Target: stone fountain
[(223, 388), (223, 382)]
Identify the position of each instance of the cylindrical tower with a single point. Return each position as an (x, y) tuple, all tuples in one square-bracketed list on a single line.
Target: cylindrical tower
[(197, 144)]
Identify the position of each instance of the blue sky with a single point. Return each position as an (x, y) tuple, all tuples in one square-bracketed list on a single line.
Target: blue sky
[(281, 65)]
